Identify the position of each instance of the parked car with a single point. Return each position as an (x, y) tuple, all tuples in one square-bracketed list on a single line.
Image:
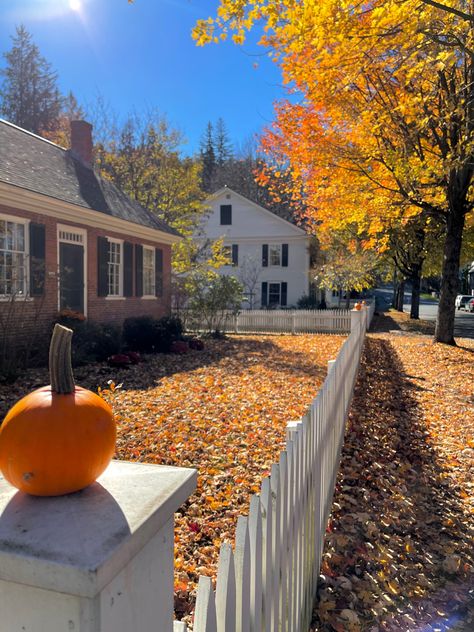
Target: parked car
[(469, 306), (461, 300)]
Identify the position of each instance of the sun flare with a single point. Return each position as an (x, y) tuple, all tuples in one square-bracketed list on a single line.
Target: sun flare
[(75, 5)]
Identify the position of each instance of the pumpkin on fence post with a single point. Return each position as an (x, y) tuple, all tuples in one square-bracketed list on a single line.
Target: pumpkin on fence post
[(59, 438)]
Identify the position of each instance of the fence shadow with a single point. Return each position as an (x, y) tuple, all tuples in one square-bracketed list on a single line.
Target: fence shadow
[(397, 551)]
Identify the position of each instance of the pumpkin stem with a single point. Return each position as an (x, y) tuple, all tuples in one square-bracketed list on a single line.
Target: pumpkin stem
[(60, 367)]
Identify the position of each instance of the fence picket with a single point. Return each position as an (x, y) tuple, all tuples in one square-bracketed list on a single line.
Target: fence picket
[(256, 548), (242, 575), (276, 542), (283, 462), (205, 617), (225, 590), (267, 580)]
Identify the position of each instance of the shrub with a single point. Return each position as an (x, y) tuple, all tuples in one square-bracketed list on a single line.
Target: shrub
[(139, 333), (147, 334), (91, 341)]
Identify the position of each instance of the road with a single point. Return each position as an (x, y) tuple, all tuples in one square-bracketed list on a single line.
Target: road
[(464, 321)]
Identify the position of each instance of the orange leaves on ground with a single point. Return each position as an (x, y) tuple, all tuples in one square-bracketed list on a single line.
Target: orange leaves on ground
[(399, 553)]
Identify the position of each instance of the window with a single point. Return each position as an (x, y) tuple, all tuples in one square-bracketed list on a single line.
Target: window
[(148, 271), (231, 253), (227, 253), (274, 294), (114, 276), (226, 214), (12, 258), (275, 255)]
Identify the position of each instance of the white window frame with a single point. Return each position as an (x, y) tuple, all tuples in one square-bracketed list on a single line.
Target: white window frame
[(152, 250), (274, 247), (26, 254), (119, 242)]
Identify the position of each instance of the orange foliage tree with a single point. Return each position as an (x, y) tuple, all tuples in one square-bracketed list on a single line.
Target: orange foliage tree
[(383, 132)]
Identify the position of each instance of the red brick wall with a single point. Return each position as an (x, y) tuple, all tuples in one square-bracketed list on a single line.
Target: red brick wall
[(99, 309)]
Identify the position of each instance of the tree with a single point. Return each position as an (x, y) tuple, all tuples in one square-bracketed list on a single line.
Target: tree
[(29, 96), (223, 146), (384, 130), (208, 159)]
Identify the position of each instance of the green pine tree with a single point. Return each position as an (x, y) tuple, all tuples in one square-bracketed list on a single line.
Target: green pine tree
[(29, 96)]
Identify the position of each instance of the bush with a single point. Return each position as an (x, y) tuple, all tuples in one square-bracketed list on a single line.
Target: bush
[(91, 341), (148, 334), (139, 333)]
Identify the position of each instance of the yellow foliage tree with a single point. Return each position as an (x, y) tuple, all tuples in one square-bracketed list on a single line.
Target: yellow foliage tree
[(384, 130)]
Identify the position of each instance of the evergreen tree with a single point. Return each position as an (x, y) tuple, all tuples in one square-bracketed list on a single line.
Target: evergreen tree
[(223, 146), (29, 96), (208, 159)]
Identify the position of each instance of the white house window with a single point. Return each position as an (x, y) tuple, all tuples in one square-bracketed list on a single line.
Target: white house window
[(275, 254), (12, 258), (148, 271), (274, 293), (115, 263)]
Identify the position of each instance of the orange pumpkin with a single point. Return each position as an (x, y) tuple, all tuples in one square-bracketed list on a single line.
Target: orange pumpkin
[(59, 438), (358, 306)]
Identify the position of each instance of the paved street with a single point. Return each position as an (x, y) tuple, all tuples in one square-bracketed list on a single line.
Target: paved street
[(464, 323)]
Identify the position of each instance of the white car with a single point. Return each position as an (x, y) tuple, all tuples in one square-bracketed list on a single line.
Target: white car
[(462, 299)]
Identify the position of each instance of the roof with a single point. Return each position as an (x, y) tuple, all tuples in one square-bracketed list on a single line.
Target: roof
[(36, 164), (226, 189)]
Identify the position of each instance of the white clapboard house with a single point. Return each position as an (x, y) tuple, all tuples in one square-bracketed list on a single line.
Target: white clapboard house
[(268, 254)]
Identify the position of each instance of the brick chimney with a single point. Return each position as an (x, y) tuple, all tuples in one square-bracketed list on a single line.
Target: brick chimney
[(81, 141)]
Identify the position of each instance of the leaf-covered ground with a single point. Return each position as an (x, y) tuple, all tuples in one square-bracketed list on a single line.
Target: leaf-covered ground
[(399, 552), (223, 411)]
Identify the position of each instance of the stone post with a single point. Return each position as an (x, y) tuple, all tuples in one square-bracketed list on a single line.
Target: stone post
[(99, 560)]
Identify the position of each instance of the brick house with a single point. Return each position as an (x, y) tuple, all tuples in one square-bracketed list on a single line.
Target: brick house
[(70, 239)]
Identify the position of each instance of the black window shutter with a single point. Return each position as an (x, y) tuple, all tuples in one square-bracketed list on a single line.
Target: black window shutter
[(235, 254), (264, 300), (127, 269), (284, 255), (158, 272), (265, 255), (138, 270), (226, 214), (37, 258), (102, 266), (284, 292)]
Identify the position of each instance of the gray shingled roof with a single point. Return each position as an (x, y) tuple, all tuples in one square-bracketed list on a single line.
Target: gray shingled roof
[(32, 163)]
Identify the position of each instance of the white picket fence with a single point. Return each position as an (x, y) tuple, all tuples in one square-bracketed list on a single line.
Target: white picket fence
[(268, 582), (280, 321)]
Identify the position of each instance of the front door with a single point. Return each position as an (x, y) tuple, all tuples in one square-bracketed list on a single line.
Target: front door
[(71, 277)]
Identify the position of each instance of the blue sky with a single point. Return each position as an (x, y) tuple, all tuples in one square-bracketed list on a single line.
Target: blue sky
[(141, 56)]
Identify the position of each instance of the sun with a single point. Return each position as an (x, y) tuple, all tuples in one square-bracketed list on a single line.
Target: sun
[(75, 5)]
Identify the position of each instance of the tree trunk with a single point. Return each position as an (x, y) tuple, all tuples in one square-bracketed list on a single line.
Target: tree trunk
[(415, 295), (395, 288), (444, 331), (400, 296)]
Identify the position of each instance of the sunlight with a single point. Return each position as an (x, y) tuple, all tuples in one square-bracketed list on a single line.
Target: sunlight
[(75, 5)]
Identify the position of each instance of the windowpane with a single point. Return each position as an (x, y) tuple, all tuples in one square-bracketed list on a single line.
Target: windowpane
[(114, 268), (148, 271), (12, 258), (273, 293), (226, 214), (275, 255)]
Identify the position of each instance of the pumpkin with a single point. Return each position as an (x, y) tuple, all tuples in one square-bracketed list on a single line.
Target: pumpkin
[(358, 306), (59, 438)]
